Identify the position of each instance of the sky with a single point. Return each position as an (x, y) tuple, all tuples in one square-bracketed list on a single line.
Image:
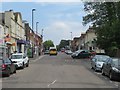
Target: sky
[(57, 19)]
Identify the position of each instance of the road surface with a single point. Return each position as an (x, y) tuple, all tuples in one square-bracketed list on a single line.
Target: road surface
[(59, 71)]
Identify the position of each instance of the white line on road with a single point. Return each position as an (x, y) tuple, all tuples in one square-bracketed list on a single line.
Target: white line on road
[(51, 83)]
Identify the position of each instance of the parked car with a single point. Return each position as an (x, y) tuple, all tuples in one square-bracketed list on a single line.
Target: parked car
[(111, 68), (46, 52), (7, 67), (81, 54), (97, 62), (68, 52), (20, 59)]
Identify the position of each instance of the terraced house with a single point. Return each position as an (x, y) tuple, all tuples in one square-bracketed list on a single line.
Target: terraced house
[(16, 32)]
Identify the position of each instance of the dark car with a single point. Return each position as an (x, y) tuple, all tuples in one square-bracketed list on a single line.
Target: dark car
[(81, 54), (7, 67), (111, 68)]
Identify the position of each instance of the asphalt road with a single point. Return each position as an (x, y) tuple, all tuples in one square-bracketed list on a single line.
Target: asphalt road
[(59, 71)]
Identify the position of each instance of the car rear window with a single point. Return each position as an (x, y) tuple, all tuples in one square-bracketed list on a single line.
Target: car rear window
[(53, 50), (16, 56)]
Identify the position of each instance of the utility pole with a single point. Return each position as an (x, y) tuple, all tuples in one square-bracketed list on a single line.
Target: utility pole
[(33, 30)]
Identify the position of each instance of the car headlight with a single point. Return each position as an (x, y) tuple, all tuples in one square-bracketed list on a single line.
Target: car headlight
[(115, 69)]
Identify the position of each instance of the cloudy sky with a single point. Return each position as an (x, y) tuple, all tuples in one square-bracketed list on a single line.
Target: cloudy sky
[(57, 19)]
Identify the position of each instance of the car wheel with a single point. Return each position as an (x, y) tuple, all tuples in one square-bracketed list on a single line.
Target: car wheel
[(23, 66), (91, 67), (27, 64), (8, 73), (14, 71), (103, 72), (111, 76), (95, 69)]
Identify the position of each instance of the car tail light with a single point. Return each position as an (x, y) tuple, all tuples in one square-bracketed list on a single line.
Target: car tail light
[(3, 66)]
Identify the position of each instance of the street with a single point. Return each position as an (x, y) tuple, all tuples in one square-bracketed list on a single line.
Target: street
[(59, 71)]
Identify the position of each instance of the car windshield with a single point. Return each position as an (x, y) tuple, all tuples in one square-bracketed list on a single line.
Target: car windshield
[(116, 62), (16, 56), (102, 58)]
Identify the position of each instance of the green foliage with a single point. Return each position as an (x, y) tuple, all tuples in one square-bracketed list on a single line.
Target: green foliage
[(64, 43), (105, 18), (47, 44)]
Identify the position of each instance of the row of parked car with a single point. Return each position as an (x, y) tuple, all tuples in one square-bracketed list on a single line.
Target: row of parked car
[(107, 66), (10, 65), (101, 62)]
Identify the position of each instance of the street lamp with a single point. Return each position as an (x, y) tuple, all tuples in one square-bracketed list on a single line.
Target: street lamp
[(42, 33), (33, 18), (37, 27), (71, 41), (71, 36), (33, 29)]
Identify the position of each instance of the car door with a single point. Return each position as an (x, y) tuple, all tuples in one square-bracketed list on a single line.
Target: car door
[(9, 64), (92, 62), (108, 65), (81, 54), (24, 58)]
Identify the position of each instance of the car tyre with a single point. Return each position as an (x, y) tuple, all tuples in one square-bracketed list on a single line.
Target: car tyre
[(23, 66), (103, 72), (91, 67), (27, 65), (8, 74), (14, 71), (111, 76), (95, 69)]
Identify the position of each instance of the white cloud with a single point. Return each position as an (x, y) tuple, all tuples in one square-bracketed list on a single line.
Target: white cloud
[(61, 30)]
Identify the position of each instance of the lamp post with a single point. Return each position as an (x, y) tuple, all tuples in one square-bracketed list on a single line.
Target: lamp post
[(42, 33), (42, 47), (71, 36), (33, 30), (71, 41), (33, 19), (37, 27)]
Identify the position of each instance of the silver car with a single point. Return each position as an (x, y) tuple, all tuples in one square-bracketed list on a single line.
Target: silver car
[(97, 62)]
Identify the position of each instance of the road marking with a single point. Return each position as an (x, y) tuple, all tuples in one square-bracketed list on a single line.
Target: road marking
[(51, 83)]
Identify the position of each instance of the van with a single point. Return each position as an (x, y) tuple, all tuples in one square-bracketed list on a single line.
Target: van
[(53, 51)]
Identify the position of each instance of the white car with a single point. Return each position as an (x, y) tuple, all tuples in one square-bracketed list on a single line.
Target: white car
[(20, 59), (68, 52)]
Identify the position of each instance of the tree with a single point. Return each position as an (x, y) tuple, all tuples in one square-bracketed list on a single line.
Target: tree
[(64, 43), (105, 18), (47, 44)]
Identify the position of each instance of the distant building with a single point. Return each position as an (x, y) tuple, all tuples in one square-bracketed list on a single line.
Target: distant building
[(87, 41), (75, 44)]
